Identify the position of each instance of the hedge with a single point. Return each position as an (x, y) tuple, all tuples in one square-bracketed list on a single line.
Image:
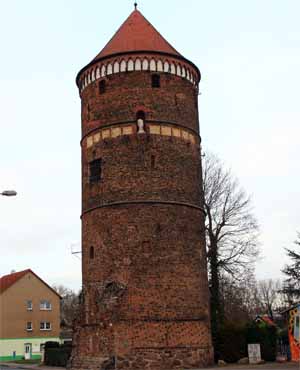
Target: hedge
[(266, 336), (57, 355), (233, 344)]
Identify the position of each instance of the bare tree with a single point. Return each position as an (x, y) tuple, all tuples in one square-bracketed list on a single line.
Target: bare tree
[(241, 297), (69, 304), (270, 296), (231, 231)]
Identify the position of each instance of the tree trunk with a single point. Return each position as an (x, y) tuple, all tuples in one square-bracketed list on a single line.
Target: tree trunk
[(216, 309)]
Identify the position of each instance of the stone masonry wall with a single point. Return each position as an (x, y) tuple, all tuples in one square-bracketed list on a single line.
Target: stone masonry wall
[(144, 265)]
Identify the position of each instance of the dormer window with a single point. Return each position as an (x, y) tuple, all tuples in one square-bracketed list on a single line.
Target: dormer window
[(155, 81), (102, 86)]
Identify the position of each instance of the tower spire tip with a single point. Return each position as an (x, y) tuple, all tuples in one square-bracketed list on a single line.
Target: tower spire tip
[(135, 6)]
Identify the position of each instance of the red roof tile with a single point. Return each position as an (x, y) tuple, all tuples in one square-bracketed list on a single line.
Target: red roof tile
[(268, 321), (136, 34), (8, 280)]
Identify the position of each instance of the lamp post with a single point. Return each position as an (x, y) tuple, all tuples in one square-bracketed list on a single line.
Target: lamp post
[(9, 193)]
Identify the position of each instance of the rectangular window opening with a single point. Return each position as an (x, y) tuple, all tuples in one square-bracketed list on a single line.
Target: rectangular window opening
[(29, 326), (45, 325), (156, 81), (95, 170), (29, 305), (45, 306), (102, 86)]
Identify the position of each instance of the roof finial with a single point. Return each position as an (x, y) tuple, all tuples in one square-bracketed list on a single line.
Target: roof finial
[(135, 6)]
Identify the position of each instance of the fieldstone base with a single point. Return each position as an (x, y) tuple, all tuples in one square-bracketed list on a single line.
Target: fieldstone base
[(148, 359)]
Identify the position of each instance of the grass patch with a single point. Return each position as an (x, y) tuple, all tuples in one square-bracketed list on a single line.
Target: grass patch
[(30, 362)]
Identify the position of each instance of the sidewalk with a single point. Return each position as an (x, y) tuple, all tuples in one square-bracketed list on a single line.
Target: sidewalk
[(267, 366), (7, 365)]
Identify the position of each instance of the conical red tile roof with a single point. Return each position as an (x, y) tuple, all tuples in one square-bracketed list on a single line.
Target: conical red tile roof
[(136, 34)]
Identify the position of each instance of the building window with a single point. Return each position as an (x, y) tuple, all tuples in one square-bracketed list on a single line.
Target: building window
[(92, 253), (102, 86), (95, 169), (155, 81), (45, 305), (297, 327), (45, 325), (29, 326), (29, 305)]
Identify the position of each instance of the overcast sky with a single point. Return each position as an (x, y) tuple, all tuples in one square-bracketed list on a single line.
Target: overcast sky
[(249, 56)]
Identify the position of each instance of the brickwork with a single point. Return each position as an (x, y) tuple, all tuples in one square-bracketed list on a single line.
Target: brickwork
[(127, 93), (145, 290)]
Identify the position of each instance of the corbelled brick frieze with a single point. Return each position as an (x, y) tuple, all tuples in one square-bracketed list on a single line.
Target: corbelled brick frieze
[(130, 63)]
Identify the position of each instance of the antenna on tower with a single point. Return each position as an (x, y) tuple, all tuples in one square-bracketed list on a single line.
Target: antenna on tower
[(75, 250)]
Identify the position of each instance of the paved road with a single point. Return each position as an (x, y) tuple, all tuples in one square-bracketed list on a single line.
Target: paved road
[(271, 366)]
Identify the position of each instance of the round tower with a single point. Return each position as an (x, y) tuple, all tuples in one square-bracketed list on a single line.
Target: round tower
[(145, 298)]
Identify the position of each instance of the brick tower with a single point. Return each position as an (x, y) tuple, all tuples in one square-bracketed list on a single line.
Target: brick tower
[(145, 290)]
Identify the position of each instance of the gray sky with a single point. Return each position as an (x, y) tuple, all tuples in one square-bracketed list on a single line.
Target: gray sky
[(249, 56)]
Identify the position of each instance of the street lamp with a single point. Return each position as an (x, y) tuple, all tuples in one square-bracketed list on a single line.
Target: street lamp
[(9, 193)]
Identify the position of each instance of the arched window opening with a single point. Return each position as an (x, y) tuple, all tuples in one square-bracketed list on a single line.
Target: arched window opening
[(155, 81), (102, 86), (116, 67), (109, 69), (138, 64), (145, 64), (123, 66), (130, 65), (92, 253), (160, 67), (152, 65), (140, 121), (166, 67)]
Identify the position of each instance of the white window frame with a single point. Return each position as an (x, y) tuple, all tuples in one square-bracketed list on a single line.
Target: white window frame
[(29, 328), (29, 305), (43, 305), (43, 326)]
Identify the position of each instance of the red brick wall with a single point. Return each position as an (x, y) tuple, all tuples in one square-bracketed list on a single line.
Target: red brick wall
[(145, 290), (126, 93)]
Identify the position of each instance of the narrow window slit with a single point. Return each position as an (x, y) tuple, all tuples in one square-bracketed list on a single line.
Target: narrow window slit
[(152, 162), (92, 253)]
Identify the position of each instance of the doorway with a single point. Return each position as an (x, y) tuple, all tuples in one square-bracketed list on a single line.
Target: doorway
[(28, 350)]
